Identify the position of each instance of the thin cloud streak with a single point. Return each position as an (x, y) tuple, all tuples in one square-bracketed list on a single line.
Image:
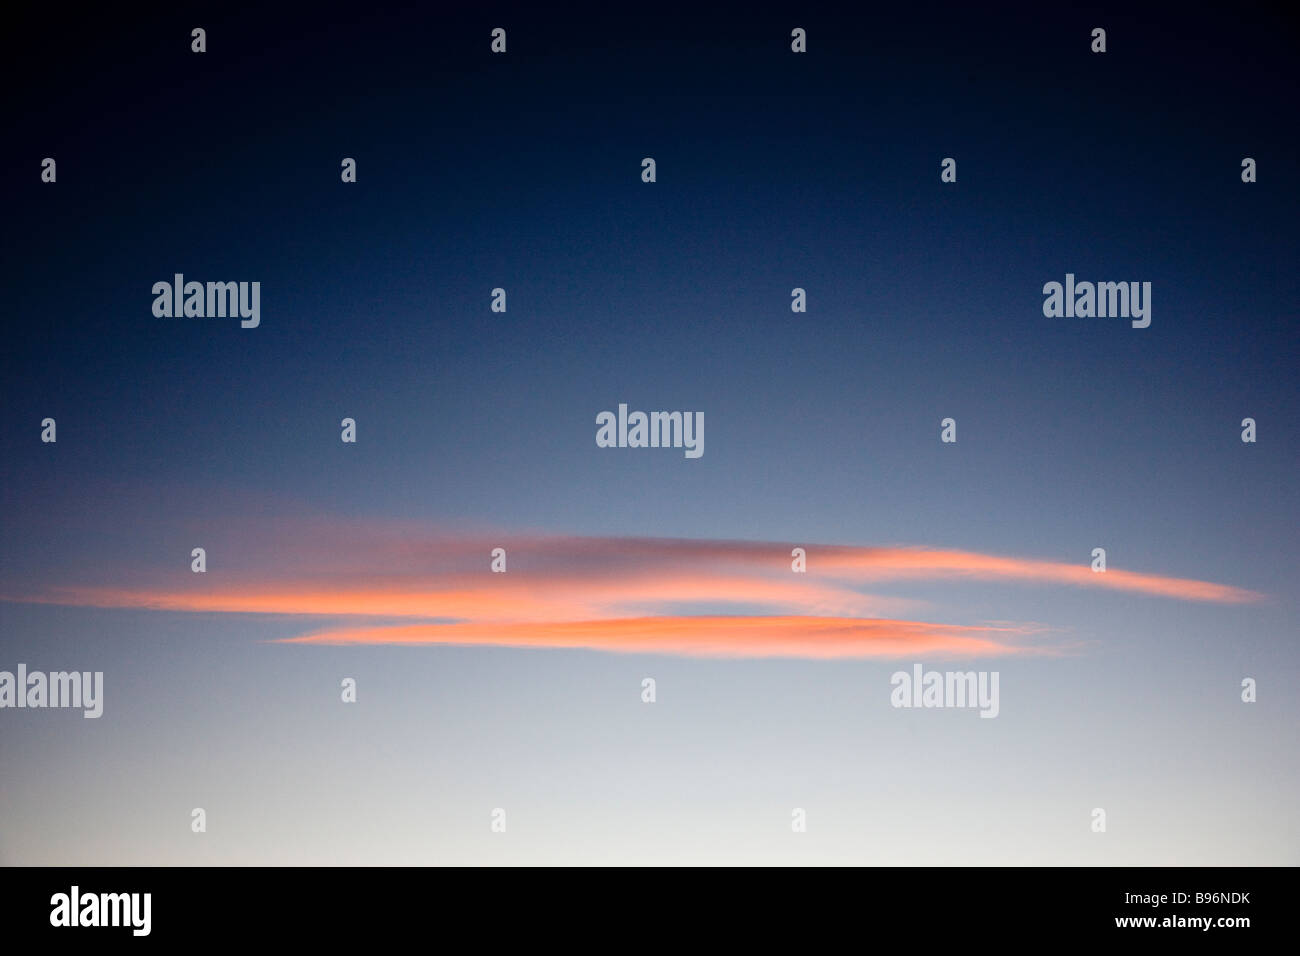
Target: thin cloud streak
[(928, 564), (814, 638), (676, 596), (513, 596)]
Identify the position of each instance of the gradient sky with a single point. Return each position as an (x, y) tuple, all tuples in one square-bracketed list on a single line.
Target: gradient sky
[(477, 430)]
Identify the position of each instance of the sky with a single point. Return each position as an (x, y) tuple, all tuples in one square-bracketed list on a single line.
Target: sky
[(476, 430)]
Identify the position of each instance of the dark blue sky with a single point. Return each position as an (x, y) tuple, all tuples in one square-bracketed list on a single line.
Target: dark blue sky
[(775, 171)]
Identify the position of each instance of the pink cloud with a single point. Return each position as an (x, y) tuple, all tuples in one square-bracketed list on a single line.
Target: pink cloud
[(602, 593), (709, 636)]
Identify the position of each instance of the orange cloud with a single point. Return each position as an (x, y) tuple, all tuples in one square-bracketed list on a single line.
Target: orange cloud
[(620, 594), (880, 564), (820, 638), (486, 596)]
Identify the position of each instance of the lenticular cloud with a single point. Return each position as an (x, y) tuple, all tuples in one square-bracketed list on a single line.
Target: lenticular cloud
[(390, 584)]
